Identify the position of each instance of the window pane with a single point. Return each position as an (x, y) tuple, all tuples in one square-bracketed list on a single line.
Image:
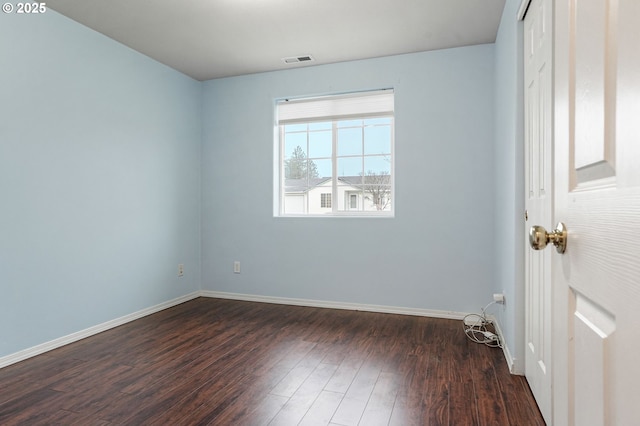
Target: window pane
[(325, 125), (299, 169), (350, 141), (354, 181), (349, 199), (298, 166), (353, 201), (377, 164), (377, 197), (295, 145), (377, 140), (320, 144), (350, 166), (321, 198), (350, 123), (295, 127), (294, 203), (323, 168), (376, 121)]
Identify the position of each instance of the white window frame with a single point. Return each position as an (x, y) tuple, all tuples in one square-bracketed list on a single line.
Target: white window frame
[(353, 106), (324, 200)]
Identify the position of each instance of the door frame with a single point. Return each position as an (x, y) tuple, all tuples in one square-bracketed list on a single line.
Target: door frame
[(540, 209)]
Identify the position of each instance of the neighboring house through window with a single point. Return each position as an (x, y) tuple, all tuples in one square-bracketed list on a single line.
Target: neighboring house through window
[(336, 155)]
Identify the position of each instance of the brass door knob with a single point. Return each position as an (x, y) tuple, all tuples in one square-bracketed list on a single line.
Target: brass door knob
[(539, 237)]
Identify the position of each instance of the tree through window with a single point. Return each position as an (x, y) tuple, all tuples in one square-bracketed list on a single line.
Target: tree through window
[(297, 166)]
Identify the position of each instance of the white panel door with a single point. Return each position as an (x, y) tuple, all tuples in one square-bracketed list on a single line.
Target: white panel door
[(538, 97), (596, 283)]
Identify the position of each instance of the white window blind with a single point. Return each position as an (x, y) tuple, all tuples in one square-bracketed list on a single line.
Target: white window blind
[(377, 103)]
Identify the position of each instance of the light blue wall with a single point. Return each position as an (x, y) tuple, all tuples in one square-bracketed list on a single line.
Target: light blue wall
[(509, 181), (437, 253), (99, 180), (101, 151)]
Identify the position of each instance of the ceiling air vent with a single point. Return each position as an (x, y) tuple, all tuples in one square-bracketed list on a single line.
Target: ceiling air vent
[(297, 59)]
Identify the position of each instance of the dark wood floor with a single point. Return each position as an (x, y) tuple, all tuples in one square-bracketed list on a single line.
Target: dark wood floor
[(221, 362)]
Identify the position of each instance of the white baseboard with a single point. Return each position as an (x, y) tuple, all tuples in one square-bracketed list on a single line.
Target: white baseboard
[(74, 337), (335, 305), (511, 361)]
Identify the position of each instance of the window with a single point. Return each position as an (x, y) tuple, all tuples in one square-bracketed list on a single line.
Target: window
[(335, 155), (325, 200)]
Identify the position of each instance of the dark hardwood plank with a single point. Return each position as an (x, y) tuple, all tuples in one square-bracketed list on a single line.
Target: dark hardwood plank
[(222, 362), (491, 407), (20, 410), (463, 406)]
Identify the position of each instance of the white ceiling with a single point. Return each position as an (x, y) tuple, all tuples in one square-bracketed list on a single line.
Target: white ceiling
[(208, 39)]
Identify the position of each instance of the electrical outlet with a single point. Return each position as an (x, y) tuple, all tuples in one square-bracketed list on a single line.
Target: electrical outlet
[(180, 269), (236, 267), (498, 298)]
